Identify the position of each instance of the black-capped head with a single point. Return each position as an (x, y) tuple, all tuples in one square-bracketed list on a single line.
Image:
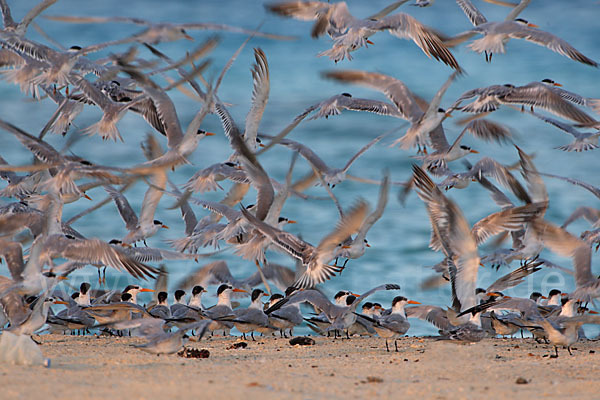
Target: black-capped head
[(282, 219), (198, 289), (276, 297), (535, 296), (554, 292), (257, 293), (398, 299), (230, 164), (223, 288), (115, 83), (564, 300), (162, 296), (441, 110), (340, 294), (522, 21), (84, 287), (130, 288), (480, 291), (346, 94), (377, 305), (367, 306), (49, 274), (350, 299), (115, 241), (75, 296), (546, 80), (179, 294), (75, 48), (126, 296), (467, 148), (509, 85), (249, 206), (68, 236), (157, 222)]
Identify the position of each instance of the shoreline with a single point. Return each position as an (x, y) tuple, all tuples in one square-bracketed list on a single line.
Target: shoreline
[(97, 367)]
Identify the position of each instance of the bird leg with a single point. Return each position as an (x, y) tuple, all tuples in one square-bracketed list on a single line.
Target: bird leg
[(396, 344), (347, 336), (291, 332), (386, 346), (244, 335), (104, 276), (262, 277), (555, 355), (252, 336), (569, 350)]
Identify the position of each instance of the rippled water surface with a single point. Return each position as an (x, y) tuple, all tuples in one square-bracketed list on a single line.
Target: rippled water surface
[(399, 251)]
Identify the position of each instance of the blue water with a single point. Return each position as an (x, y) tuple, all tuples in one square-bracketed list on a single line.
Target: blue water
[(399, 252)]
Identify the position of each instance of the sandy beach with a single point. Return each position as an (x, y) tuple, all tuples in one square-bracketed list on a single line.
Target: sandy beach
[(270, 368)]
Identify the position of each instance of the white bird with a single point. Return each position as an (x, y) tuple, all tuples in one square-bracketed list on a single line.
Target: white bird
[(349, 33), (497, 34)]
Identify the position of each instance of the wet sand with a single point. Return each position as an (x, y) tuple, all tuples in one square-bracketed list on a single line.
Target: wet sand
[(270, 368)]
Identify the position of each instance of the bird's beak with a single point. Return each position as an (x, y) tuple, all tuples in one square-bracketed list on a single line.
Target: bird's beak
[(413, 302), (557, 84), (188, 37), (532, 25), (345, 247), (291, 221), (65, 303), (544, 297), (367, 244), (87, 197), (210, 134), (564, 294), (473, 151), (164, 226), (261, 145), (448, 115), (368, 41), (481, 264), (492, 294), (146, 290), (61, 278), (264, 294), (240, 290), (592, 312), (355, 294)]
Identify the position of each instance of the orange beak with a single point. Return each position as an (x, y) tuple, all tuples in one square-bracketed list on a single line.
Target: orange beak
[(355, 294), (345, 247), (564, 294), (291, 221), (481, 264), (261, 145), (240, 290), (62, 278), (557, 84), (188, 37), (592, 312), (65, 303), (87, 197), (367, 244), (146, 290), (368, 41), (532, 25), (164, 226), (413, 302), (492, 294), (473, 151), (448, 115), (210, 134), (544, 297)]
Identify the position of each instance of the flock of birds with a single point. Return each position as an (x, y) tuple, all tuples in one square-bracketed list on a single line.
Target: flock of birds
[(40, 248)]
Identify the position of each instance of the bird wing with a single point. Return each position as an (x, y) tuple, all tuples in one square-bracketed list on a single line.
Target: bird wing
[(512, 219), (406, 27), (474, 15), (125, 210), (260, 95)]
